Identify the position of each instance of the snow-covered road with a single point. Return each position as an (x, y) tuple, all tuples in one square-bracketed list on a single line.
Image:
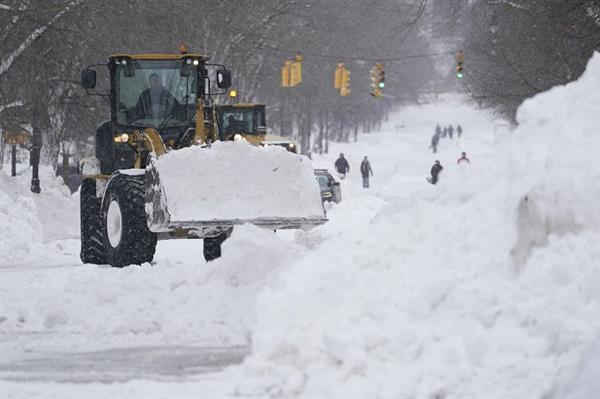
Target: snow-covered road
[(68, 322), (484, 285)]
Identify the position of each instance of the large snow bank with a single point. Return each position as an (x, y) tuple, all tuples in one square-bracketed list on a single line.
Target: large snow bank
[(234, 180), (29, 221), (483, 286), (19, 225)]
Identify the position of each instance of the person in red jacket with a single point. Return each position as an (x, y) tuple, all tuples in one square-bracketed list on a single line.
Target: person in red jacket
[(463, 158)]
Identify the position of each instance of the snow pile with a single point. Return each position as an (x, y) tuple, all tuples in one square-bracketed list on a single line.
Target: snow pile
[(19, 225), (172, 302), (486, 284), (29, 222), (234, 180)]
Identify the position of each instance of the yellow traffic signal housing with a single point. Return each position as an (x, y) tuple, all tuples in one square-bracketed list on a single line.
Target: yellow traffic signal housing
[(337, 78), (345, 86), (381, 77), (285, 74), (291, 72), (296, 73), (378, 79), (460, 60)]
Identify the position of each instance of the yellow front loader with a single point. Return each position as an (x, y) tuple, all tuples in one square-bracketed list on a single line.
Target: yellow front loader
[(158, 173)]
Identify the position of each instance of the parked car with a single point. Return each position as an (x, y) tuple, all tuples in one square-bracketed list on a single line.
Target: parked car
[(330, 189)]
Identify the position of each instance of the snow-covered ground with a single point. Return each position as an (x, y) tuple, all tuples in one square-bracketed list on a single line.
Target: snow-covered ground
[(485, 285)]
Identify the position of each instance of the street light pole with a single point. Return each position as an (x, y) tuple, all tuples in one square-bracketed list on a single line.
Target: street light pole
[(13, 160)]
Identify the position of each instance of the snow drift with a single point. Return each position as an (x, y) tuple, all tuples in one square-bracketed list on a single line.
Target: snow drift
[(28, 222), (483, 285)]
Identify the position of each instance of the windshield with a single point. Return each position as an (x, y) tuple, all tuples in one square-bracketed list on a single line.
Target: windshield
[(156, 95), (242, 120), (323, 181)]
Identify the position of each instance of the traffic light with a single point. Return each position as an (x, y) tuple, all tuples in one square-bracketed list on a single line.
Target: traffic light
[(341, 79), (291, 72), (337, 77), (381, 77), (345, 87), (285, 74), (378, 80), (460, 60), (296, 71)]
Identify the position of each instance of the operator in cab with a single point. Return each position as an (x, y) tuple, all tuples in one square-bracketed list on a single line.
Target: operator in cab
[(232, 126), (156, 102)]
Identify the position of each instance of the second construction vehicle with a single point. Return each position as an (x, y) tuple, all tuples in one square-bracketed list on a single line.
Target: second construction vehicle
[(153, 173), (247, 121)]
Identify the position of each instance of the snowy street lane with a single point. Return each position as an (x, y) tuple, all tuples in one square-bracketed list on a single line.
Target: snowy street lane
[(122, 364)]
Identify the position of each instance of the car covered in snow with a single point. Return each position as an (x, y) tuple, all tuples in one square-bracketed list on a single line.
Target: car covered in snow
[(330, 189)]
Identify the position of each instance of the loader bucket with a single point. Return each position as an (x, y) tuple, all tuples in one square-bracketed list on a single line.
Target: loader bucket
[(204, 191)]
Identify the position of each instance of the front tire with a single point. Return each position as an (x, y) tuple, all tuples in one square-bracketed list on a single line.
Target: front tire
[(92, 239), (127, 239)]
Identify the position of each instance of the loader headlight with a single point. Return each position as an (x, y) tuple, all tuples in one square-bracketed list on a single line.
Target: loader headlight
[(122, 138), (239, 137)]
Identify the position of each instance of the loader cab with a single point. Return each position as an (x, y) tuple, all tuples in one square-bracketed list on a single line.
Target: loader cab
[(163, 99), (156, 91), (247, 122)]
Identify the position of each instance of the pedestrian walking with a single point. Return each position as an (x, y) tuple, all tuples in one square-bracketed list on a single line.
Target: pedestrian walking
[(342, 167), (458, 131), (450, 131), (435, 140), (463, 159), (366, 171), (444, 132), (438, 129), (435, 172)]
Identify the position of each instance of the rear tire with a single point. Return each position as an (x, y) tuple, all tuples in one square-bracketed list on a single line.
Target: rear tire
[(127, 239), (212, 246), (92, 238)]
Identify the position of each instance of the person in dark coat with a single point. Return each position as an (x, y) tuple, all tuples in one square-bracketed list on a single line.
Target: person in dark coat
[(435, 140), (450, 131), (444, 132), (365, 171), (155, 102), (438, 130), (435, 171), (459, 131), (342, 167)]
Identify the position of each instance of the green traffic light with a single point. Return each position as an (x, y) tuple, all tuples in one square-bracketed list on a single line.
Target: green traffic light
[(459, 75), (381, 85)]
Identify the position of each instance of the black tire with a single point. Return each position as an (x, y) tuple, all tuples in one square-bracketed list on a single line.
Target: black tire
[(92, 236), (212, 246), (129, 240)]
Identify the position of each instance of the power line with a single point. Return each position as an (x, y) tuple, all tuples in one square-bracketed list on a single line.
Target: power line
[(348, 58)]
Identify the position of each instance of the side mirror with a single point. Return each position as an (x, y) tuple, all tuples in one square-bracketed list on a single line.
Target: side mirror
[(88, 79), (224, 78)]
